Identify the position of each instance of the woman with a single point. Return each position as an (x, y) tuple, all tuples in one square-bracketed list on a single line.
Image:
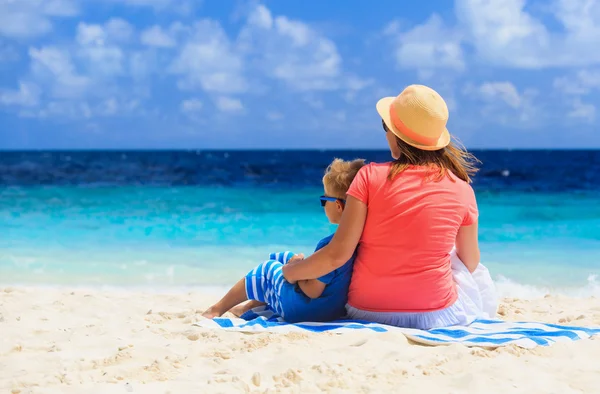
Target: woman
[(405, 217)]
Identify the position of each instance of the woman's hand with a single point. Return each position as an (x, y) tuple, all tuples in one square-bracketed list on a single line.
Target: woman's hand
[(295, 258), (337, 252)]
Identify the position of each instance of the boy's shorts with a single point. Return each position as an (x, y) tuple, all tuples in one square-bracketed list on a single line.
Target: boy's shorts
[(266, 283)]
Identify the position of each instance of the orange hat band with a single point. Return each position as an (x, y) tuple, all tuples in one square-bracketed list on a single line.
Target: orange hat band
[(421, 139)]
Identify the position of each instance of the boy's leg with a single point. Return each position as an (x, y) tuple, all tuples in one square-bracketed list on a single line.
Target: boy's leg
[(261, 284), (235, 296), (264, 284), (240, 309)]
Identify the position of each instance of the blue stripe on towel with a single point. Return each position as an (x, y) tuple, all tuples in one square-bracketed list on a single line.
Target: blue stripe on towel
[(225, 323), (587, 330), (482, 333)]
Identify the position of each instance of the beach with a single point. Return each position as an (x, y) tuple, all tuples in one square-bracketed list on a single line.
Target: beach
[(61, 340)]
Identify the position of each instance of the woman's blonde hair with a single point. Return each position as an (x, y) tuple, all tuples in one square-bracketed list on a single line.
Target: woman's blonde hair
[(339, 175), (453, 158)]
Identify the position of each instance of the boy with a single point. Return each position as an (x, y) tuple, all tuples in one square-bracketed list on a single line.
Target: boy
[(322, 299)]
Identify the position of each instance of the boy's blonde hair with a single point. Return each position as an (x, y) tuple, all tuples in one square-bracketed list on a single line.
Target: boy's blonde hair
[(339, 175)]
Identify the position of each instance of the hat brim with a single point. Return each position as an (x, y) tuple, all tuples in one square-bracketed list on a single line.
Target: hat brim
[(383, 108)]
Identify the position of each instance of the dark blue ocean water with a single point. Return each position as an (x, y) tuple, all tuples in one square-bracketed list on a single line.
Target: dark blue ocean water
[(172, 218)]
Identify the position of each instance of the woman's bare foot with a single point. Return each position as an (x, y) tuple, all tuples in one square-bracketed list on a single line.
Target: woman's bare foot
[(212, 312)]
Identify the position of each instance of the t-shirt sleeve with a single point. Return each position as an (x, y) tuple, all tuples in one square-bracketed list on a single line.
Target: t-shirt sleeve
[(472, 212), (360, 185), (327, 278)]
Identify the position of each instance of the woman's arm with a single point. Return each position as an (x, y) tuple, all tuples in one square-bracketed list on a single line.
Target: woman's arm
[(338, 251), (467, 246)]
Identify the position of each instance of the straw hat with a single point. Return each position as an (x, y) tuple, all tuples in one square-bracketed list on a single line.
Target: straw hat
[(418, 116)]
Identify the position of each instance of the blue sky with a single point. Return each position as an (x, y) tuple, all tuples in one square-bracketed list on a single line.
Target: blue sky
[(294, 74)]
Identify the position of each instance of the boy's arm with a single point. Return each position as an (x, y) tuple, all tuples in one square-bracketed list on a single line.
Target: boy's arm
[(313, 288)]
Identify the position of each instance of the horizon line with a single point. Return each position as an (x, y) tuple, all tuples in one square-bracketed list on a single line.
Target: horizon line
[(264, 149)]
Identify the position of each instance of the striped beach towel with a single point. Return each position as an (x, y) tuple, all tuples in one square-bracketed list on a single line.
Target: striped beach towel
[(481, 333)]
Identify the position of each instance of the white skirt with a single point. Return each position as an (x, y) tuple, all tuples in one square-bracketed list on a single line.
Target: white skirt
[(476, 300)]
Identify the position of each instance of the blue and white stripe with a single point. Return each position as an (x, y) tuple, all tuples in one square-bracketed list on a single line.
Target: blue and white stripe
[(264, 283), (481, 333), (282, 257)]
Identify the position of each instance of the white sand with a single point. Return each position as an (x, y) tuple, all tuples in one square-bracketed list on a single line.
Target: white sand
[(62, 341)]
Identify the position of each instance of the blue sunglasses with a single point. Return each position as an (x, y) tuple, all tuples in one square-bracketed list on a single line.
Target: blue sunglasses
[(324, 200)]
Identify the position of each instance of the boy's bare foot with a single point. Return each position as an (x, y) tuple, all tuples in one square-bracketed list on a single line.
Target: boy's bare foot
[(234, 296), (212, 312)]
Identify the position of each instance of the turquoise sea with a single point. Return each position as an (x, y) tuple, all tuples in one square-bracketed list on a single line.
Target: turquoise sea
[(192, 218)]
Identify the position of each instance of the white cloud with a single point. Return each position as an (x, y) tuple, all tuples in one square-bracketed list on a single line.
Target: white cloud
[(63, 8), (90, 34), (31, 18), (429, 46), (271, 47), (313, 101), (160, 5), (103, 60), (62, 109), (274, 116), (147, 3), (581, 110), (300, 33), (582, 82), (580, 18), (503, 102), (119, 30), (504, 91), (115, 30), (27, 95), (94, 75), (291, 51), (355, 83), (105, 69), (99, 47), (191, 105), (142, 64), (228, 104), (55, 67), (260, 17), (577, 85), (108, 107), (98, 73), (69, 109), (208, 61), (503, 33), (155, 36)]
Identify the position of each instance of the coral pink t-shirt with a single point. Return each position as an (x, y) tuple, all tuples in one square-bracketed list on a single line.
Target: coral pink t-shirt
[(403, 257)]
